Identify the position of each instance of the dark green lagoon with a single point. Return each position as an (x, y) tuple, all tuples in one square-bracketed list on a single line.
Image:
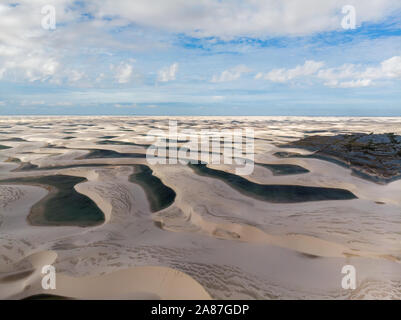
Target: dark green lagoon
[(159, 195), (122, 143), (27, 166), (14, 140), (284, 154), (101, 153), (284, 169), (274, 193), (63, 206)]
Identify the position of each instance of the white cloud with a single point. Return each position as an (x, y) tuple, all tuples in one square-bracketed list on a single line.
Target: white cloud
[(32, 103), (100, 77), (392, 67), (168, 73), (63, 104), (26, 50), (345, 76), (343, 72), (309, 68), (218, 98), (75, 75), (231, 74), (353, 76), (133, 106), (8, 51), (123, 73), (126, 106), (30, 53), (350, 84), (31, 68), (243, 18)]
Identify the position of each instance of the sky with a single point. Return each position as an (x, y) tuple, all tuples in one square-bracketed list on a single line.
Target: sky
[(200, 57)]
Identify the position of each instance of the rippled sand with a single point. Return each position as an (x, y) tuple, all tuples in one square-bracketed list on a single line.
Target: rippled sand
[(212, 241)]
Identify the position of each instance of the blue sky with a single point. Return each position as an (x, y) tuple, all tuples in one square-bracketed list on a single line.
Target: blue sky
[(204, 57)]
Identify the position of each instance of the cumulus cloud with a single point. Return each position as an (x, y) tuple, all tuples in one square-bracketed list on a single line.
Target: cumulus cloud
[(25, 50), (168, 73), (310, 67), (231, 74), (232, 18), (30, 53), (353, 76), (391, 68), (349, 84), (31, 68), (75, 75), (345, 76), (124, 72)]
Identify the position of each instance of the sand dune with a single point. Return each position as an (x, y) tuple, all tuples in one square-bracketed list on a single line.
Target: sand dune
[(150, 282), (212, 241)]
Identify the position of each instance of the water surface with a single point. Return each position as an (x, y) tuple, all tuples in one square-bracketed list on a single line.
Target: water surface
[(63, 206), (274, 193), (284, 169), (159, 195)]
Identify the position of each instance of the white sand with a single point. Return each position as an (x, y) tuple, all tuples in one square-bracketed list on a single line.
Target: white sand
[(213, 241)]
